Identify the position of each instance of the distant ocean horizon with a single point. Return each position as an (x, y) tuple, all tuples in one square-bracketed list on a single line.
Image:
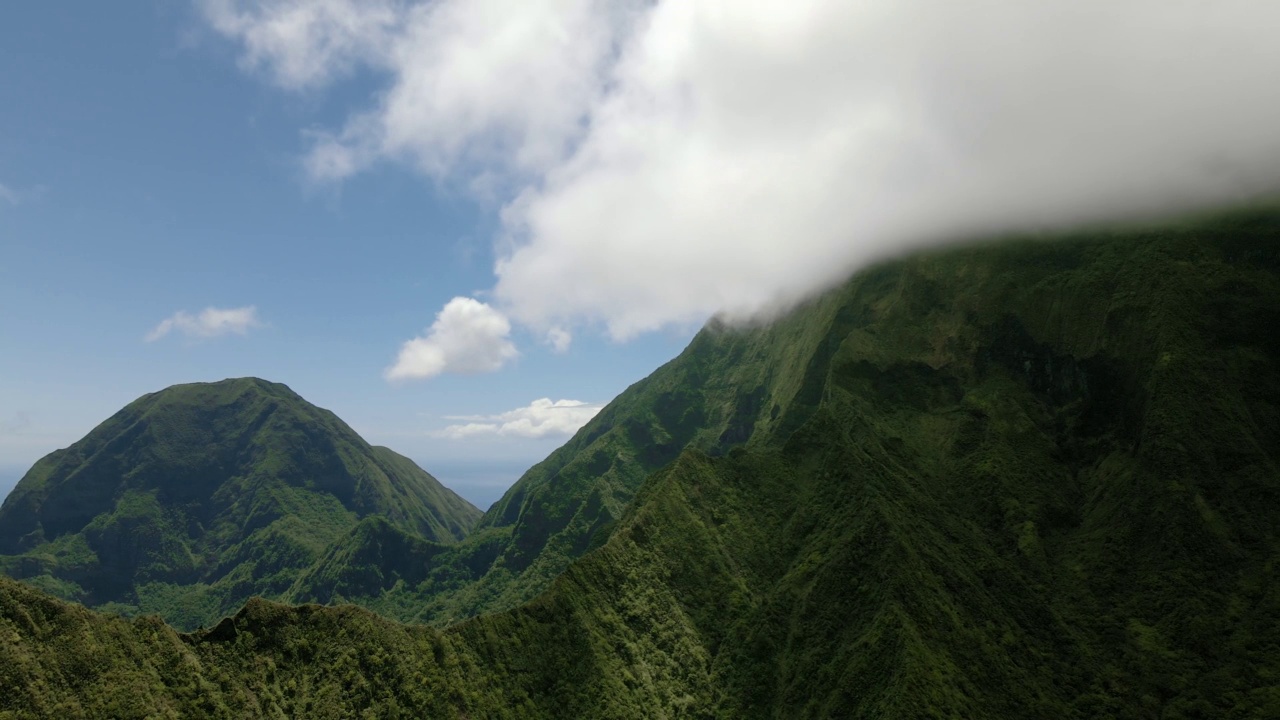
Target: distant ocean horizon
[(9, 476), (482, 484)]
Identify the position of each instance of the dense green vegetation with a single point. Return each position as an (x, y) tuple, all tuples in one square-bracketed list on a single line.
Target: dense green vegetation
[(727, 387), (192, 500), (1031, 479)]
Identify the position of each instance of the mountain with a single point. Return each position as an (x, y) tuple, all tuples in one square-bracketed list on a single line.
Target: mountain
[(727, 388), (1031, 479), (191, 500)]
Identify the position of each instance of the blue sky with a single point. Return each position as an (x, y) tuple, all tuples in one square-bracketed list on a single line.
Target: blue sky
[(463, 225), (151, 175)]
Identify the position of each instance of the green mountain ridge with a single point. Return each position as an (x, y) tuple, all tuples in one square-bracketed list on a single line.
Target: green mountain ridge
[(1028, 479), (193, 499), (724, 389)]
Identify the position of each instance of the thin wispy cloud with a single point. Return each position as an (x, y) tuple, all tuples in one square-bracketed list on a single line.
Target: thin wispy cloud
[(208, 323), (467, 337), (306, 43), (17, 423), (559, 339), (16, 196), (661, 161), (541, 418)]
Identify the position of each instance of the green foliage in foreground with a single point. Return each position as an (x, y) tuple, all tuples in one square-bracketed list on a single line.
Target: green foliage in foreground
[(1031, 480), (193, 499)]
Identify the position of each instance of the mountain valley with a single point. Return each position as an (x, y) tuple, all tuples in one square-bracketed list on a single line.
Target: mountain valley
[(1030, 478)]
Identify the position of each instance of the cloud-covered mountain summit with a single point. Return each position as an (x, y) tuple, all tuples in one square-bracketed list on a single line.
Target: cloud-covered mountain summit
[(654, 163)]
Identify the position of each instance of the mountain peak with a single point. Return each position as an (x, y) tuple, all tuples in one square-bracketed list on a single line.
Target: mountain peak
[(227, 386), (180, 481)]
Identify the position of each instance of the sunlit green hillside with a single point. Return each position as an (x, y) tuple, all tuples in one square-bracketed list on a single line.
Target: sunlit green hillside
[(191, 500)]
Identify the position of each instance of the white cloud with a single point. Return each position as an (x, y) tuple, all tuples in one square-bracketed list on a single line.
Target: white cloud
[(8, 195), (662, 161), (539, 419), (491, 81), (467, 337), (306, 43), (559, 339), (210, 322)]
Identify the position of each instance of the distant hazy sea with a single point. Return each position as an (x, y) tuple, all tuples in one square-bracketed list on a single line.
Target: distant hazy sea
[(481, 484), (9, 476)]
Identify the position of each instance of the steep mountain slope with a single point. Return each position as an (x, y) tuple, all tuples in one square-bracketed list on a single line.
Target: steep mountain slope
[(726, 388), (192, 499), (1027, 480), (730, 387)]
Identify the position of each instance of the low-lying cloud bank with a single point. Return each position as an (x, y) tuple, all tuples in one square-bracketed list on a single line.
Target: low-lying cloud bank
[(663, 161), (541, 418)]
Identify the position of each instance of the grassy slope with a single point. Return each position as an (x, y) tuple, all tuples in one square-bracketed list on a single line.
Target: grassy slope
[(191, 500), (1034, 480)]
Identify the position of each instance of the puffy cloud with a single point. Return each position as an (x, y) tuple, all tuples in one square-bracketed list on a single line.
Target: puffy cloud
[(210, 322), (662, 161), (467, 337), (501, 85), (539, 419), (492, 81)]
